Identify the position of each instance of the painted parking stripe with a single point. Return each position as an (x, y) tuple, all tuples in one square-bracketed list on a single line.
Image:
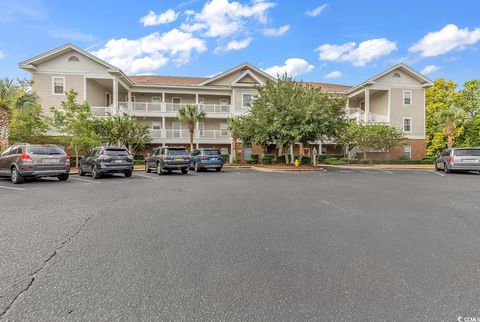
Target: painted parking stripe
[(345, 171), (85, 180), (389, 172), (438, 173), (145, 176), (12, 188)]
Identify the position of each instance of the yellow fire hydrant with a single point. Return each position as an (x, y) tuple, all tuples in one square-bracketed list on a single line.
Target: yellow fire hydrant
[(296, 163)]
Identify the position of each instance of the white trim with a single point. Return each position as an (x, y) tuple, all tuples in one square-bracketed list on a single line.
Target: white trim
[(403, 97), (243, 103), (174, 97), (261, 72), (409, 152), (403, 124), (53, 85), (242, 75), (156, 97)]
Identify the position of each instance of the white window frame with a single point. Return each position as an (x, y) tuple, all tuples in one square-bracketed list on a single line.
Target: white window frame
[(53, 85), (411, 97), (243, 99), (223, 127), (409, 150), (179, 98), (201, 128), (403, 124), (158, 124), (156, 97)]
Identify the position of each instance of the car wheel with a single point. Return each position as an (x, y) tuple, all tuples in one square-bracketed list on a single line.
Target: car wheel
[(81, 173), (63, 177), (446, 169), (196, 167), (160, 171), (95, 174), (16, 176), (436, 167), (128, 174), (218, 169), (147, 168), (184, 170)]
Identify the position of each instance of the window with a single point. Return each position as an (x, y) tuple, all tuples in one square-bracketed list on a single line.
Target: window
[(223, 129), (156, 125), (73, 58), (407, 151), (407, 124), (396, 75), (224, 150), (247, 100), (407, 97), (58, 85), (201, 127), (306, 151), (176, 100), (224, 105), (156, 99)]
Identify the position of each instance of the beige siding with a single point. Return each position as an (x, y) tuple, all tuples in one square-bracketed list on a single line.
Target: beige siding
[(404, 80), (379, 102), (42, 85), (229, 78), (238, 97), (416, 111), (61, 64), (96, 93)]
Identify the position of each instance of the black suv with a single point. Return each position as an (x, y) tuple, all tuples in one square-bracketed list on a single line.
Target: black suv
[(105, 160), (167, 159)]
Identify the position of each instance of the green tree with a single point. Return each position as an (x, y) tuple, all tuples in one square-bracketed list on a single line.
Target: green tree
[(15, 97), (471, 132), (346, 135), (468, 98), (77, 124), (451, 121), (377, 137), (28, 125), (124, 130), (441, 96), (190, 114)]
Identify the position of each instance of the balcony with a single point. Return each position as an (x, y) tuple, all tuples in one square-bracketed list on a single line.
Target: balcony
[(157, 109), (359, 115), (183, 136), (101, 111)]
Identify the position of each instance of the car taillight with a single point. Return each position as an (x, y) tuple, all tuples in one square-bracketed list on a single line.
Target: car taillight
[(26, 157), (67, 159), (102, 157), (203, 157), (450, 159), (130, 157)]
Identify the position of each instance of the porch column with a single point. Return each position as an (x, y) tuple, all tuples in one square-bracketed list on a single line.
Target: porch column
[(320, 148), (367, 104), (129, 103), (164, 130), (196, 98), (115, 95), (232, 152)]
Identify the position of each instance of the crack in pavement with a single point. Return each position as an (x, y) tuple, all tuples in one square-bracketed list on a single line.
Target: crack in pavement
[(45, 262)]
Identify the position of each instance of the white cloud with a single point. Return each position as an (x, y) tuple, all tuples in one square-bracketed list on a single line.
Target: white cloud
[(153, 19), (2, 54), (359, 55), (234, 45), (272, 32), (293, 67), (430, 69), (447, 39), (334, 74), (151, 52), (317, 11), (221, 18)]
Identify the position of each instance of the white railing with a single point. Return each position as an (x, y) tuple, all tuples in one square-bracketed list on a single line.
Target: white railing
[(101, 110), (151, 107), (185, 135), (359, 115), (377, 118), (352, 154)]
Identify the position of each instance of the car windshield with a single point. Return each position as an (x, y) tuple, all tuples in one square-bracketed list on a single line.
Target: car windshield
[(211, 152), (116, 152), (177, 152), (45, 150), (467, 152)]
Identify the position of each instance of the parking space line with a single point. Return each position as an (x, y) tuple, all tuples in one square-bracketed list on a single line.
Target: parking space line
[(12, 188), (438, 173), (389, 172), (85, 180), (145, 176)]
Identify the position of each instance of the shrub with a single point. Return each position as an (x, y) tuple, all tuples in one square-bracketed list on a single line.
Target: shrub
[(73, 161), (254, 157), (226, 158), (335, 156), (138, 157), (268, 159), (281, 159), (354, 161), (334, 161), (305, 160), (321, 158), (138, 162)]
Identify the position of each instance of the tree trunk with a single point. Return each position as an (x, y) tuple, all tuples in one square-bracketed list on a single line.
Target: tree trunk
[(449, 141), (364, 155), (191, 132), (291, 153), (234, 152), (4, 122), (76, 159)]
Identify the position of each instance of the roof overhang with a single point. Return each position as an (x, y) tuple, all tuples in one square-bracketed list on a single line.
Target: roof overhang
[(231, 70)]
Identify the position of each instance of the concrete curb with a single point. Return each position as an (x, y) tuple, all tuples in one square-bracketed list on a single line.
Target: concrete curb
[(384, 166), (285, 170)]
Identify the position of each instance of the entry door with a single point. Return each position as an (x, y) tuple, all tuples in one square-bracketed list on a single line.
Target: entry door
[(247, 152), (177, 129)]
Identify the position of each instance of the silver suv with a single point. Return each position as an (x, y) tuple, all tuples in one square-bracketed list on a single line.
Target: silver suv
[(458, 159), (167, 159), (28, 160)]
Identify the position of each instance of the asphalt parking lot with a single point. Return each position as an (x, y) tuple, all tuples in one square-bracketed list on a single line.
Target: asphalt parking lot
[(339, 245)]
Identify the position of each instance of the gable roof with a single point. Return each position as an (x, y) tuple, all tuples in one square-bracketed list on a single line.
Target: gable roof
[(238, 67), (167, 80), (328, 87), (425, 81)]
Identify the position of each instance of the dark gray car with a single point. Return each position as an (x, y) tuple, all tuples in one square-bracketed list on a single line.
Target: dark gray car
[(105, 160), (29, 160), (167, 159), (458, 159)]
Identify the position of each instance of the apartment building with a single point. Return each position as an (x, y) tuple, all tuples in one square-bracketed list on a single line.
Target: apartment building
[(395, 97)]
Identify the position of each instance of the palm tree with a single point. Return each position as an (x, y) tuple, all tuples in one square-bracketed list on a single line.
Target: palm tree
[(190, 114), (450, 121), (13, 96)]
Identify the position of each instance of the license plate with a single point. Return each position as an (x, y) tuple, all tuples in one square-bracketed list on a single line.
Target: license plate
[(179, 159), (470, 160), (213, 159), (117, 161), (50, 161)]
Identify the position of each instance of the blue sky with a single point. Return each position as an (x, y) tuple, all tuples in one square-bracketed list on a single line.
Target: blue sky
[(341, 42)]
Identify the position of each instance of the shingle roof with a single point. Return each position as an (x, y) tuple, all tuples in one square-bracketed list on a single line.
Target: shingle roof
[(328, 87), (167, 80)]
